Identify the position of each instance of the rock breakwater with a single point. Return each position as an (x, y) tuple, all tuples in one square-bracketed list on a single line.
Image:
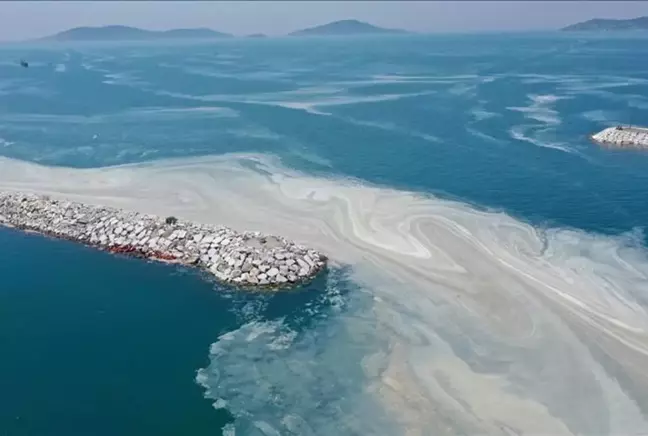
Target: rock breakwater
[(622, 137), (248, 259)]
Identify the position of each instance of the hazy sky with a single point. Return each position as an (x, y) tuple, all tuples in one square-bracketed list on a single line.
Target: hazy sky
[(21, 20)]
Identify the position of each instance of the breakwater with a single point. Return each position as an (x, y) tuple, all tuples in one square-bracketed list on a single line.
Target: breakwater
[(622, 137), (248, 259)]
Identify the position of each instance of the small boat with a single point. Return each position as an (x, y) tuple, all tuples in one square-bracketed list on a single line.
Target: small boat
[(24, 64)]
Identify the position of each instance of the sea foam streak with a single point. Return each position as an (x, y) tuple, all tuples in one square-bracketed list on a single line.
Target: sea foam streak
[(483, 324)]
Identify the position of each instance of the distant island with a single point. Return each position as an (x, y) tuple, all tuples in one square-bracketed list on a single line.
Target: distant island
[(345, 27), (126, 33), (602, 24), (129, 33)]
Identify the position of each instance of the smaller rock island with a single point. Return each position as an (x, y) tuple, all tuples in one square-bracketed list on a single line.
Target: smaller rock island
[(623, 137), (248, 260)]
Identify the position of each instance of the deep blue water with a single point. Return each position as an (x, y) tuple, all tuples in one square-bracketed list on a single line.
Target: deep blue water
[(107, 107), (499, 121), (115, 349)]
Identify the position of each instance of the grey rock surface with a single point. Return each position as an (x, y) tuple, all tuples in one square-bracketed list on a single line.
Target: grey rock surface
[(247, 259), (623, 137)]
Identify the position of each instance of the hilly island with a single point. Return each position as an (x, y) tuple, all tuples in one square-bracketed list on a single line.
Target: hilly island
[(602, 24), (117, 33), (346, 27)]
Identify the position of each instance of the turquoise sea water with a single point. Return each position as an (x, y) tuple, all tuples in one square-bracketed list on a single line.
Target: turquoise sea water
[(97, 344)]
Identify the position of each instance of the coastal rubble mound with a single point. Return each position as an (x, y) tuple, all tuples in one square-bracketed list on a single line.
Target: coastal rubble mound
[(248, 259), (622, 137)]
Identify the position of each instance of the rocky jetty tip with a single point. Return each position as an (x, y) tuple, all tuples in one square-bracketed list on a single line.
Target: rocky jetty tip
[(249, 259), (622, 137)]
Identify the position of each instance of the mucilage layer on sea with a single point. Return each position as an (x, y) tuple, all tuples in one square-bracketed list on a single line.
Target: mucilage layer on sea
[(487, 263), (462, 299)]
